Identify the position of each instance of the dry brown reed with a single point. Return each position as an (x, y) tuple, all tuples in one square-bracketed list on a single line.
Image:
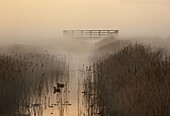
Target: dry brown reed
[(134, 81), (27, 77)]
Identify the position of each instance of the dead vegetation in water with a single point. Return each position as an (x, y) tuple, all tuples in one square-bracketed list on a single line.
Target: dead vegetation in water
[(27, 77), (133, 81)]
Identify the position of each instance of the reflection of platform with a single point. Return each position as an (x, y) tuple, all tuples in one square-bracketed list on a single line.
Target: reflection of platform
[(89, 33)]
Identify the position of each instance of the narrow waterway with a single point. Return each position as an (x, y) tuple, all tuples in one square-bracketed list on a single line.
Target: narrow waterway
[(77, 61), (44, 82)]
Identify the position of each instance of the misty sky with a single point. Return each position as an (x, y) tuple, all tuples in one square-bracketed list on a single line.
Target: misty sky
[(46, 18)]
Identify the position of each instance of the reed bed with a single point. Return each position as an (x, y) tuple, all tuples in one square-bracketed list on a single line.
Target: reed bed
[(132, 81), (27, 78)]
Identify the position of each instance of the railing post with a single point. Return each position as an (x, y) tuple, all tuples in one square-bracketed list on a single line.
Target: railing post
[(99, 33), (81, 33), (108, 33), (90, 33), (72, 33)]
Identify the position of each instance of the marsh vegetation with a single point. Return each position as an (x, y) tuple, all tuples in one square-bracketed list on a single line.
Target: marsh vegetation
[(132, 79), (27, 78), (121, 78)]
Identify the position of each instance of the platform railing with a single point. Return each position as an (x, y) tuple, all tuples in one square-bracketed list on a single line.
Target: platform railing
[(89, 33)]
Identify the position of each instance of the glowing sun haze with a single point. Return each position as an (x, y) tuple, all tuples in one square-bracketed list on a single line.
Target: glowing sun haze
[(46, 18)]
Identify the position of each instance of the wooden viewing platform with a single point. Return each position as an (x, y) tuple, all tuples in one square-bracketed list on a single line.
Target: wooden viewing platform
[(89, 33)]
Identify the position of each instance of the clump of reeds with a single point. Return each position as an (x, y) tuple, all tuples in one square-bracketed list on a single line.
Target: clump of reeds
[(27, 77), (134, 81)]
